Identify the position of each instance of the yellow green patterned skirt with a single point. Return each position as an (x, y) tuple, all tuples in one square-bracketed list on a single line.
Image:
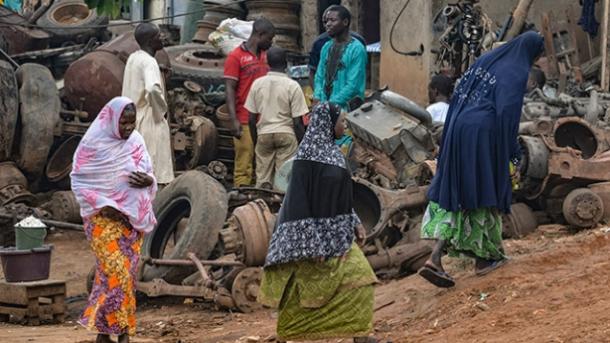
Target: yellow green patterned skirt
[(321, 300)]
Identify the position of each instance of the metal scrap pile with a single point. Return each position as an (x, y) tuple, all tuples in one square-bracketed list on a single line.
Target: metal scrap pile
[(565, 165), (43, 121)]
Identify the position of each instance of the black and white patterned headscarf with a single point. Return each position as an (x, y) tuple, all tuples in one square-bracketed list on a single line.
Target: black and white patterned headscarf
[(318, 145), (317, 217)]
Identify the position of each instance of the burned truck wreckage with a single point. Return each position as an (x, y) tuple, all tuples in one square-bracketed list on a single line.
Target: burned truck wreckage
[(211, 239)]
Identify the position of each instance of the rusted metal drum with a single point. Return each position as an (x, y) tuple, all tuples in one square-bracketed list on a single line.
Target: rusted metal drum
[(284, 15), (602, 189), (219, 10), (22, 38), (213, 16), (223, 117), (204, 28), (100, 71), (11, 175), (97, 77), (64, 207), (13, 185), (60, 164)]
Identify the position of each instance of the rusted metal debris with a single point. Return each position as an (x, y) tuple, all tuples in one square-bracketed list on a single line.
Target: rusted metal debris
[(566, 153), (248, 231), (284, 14), (18, 37)]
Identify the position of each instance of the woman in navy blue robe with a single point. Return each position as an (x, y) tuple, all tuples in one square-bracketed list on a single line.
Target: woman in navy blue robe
[(472, 185)]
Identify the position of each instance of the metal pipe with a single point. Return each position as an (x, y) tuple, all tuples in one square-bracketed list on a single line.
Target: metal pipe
[(9, 59), (75, 113), (39, 12), (207, 281), (163, 262), (402, 103), (55, 223), (63, 225), (398, 255)]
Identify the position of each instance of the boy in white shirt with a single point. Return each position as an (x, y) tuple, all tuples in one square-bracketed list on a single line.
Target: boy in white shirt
[(439, 95)]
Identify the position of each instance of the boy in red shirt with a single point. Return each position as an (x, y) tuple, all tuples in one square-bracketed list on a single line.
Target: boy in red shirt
[(245, 64)]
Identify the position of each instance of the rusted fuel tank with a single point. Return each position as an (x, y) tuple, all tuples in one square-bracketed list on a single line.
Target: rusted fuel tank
[(97, 77)]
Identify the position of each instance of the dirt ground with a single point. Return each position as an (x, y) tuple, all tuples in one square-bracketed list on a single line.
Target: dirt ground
[(553, 290)]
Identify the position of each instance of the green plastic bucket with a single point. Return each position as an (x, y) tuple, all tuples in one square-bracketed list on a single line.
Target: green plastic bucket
[(27, 238)]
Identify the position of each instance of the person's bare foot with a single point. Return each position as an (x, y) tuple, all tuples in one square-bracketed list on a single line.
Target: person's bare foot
[(103, 338)]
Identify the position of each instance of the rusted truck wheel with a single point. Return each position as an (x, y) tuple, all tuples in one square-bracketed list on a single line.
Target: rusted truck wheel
[(71, 21), (196, 200), (197, 63), (39, 113), (9, 109), (582, 208)]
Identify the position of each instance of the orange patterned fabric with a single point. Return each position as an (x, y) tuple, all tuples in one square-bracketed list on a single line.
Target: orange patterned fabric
[(112, 304)]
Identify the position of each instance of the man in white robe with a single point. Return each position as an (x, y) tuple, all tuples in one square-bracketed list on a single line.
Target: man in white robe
[(143, 84)]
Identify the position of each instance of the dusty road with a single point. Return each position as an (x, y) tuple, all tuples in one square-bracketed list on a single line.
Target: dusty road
[(554, 290)]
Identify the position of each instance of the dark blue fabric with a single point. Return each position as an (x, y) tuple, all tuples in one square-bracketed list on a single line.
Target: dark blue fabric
[(318, 44), (587, 18), (480, 134)]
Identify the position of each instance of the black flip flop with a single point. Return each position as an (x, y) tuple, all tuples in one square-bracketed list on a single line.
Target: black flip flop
[(435, 277), (493, 266)]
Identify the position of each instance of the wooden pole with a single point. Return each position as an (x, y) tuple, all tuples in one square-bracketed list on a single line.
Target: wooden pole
[(519, 17), (605, 77)]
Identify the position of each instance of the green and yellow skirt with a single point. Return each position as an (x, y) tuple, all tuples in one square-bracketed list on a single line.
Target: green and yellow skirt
[(321, 300)]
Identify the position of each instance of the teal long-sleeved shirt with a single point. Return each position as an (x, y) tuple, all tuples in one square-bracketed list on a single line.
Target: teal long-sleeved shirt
[(351, 74)]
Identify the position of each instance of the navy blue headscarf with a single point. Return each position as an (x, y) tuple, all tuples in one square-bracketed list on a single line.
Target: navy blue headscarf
[(480, 134)]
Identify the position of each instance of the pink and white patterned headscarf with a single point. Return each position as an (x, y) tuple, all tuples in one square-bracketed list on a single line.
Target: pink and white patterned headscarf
[(101, 167)]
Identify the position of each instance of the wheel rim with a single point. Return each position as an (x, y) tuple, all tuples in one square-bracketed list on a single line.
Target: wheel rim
[(70, 14)]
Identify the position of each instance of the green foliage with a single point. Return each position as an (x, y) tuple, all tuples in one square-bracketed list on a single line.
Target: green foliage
[(111, 8)]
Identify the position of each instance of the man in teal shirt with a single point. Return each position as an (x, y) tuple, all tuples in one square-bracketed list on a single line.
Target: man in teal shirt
[(341, 73)]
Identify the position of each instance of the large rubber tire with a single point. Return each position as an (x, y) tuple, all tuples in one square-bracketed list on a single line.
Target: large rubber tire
[(78, 29), (205, 202), (9, 109), (38, 114), (210, 79)]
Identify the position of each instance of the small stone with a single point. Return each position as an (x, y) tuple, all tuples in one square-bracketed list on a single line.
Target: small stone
[(481, 306)]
